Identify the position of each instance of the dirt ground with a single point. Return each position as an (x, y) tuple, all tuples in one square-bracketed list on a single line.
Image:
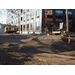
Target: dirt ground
[(18, 49)]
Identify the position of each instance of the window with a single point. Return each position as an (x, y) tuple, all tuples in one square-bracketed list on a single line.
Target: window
[(49, 16), (59, 12), (27, 26), (21, 27), (48, 13), (27, 17), (37, 26), (70, 17), (11, 22), (37, 13), (70, 25), (24, 27), (59, 17), (21, 18), (21, 10), (6, 28), (24, 18), (11, 11), (69, 12), (32, 16), (11, 16), (24, 11), (32, 26), (16, 20)]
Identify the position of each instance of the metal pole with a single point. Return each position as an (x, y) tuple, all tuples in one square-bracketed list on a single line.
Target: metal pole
[(67, 21)]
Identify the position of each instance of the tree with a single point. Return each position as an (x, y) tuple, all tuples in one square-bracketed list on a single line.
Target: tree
[(67, 22), (16, 12)]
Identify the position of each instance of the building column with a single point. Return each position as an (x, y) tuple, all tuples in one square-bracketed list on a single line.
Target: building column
[(54, 16), (29, 23), (73, 20), (42, 19), (35, 20), (64, 18)]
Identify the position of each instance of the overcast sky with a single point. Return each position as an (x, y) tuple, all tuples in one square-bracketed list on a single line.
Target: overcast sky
[(3, 16)]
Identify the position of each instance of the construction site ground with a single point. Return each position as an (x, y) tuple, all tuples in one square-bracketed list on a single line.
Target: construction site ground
[(16, 49)]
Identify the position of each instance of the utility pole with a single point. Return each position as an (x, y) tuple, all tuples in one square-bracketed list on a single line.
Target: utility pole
[(67, 21)]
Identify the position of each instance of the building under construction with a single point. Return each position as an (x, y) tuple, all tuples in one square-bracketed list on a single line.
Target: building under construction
[(35, 20)]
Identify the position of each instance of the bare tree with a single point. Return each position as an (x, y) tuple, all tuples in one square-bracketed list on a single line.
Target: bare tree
[(16, 12)]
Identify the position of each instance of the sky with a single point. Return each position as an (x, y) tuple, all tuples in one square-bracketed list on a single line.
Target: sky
[(3, 16)]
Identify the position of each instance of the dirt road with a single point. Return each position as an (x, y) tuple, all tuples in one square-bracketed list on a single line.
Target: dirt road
[(35, 50)]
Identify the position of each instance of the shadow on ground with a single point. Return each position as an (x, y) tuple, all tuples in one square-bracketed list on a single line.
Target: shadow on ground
[(16, 55), (56, 47), (14, 38)]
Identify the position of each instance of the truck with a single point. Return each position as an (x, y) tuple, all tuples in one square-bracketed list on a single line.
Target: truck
[(10, 28)]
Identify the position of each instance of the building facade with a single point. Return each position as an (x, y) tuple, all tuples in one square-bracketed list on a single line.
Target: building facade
[(58, 16), (34, 20), (28, 20)]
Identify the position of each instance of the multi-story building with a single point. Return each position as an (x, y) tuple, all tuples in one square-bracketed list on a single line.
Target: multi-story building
[(28, 20), (34, 20), (58, 16)]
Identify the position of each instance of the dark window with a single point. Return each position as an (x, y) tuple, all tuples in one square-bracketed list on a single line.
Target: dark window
[(49, 16), (21, 10), (59, 14), (21, 27), (17, 28), (11, 22), (21, 18), (59, 17), (27, 26), (70, 25), (70, 17), (24, 27), (6, 28), (11, 16)]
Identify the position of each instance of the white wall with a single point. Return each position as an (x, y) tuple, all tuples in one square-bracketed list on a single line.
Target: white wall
[(30, 21)]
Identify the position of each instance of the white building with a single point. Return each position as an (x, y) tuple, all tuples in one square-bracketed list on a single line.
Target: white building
[(28, 20)]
